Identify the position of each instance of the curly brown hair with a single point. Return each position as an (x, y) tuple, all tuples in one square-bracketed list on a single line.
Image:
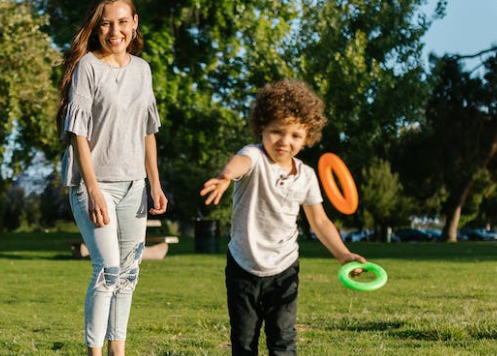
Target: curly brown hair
[(289, 100)]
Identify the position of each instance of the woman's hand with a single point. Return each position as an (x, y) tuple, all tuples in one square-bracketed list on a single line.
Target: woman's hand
[(215, 188), (160, 202), (97, 208)]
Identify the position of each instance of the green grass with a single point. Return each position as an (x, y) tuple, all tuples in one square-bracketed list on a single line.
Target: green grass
[(440, 300)]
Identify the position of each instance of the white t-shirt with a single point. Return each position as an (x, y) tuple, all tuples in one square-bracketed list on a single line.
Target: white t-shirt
[(266, 204), (114, 108)]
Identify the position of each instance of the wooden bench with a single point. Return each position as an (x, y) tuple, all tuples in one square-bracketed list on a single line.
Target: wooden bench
[(157, 251), (79, 250)]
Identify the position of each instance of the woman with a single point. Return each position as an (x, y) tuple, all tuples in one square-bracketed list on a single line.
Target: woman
[(108, 117)]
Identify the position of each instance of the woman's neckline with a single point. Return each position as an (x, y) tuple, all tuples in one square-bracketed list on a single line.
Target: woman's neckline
[(130, 58)]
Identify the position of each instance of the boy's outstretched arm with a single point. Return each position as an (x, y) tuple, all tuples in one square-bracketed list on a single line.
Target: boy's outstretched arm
[(329, 235), (237, 166)]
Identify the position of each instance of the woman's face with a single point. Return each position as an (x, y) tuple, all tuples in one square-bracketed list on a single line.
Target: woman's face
[(115, 30)]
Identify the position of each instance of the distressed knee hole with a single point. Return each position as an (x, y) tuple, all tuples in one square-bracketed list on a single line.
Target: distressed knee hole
[(130, 280), (108, 277), (132, 275), (111, 276)]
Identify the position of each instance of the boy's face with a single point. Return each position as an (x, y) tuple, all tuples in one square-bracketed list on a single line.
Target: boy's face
[(282, 140)]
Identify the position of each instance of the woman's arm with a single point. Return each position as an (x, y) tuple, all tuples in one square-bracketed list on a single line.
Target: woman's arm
[(328, 234), (97, 207), (158, 196), (237, 166)]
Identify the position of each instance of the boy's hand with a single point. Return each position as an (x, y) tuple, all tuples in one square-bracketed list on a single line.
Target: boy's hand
[(215, 188), (350, 257)]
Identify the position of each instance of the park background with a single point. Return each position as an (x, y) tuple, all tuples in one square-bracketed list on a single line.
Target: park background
[(416, 125)]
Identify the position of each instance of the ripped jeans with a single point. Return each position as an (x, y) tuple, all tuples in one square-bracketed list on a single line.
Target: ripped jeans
[(115, 250)]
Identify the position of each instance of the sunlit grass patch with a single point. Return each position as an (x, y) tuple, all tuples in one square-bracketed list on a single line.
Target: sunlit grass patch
[(439, 301)]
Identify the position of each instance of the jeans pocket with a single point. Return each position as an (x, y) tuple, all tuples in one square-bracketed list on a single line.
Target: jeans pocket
[(78, 198), (77, 190), (143, 208)]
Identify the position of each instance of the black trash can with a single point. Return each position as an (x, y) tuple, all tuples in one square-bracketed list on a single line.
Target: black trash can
[(207, 236)]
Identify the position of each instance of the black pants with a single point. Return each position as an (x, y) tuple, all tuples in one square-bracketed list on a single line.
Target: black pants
[(252, 300)]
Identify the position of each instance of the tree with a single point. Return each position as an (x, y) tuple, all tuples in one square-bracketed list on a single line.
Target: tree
[(54, 204), (383, 202), (202, 58), (32, 212), (28, 96), (365, 64), (364, 58), (20, 211), (14, 213), (65, 18), (449, 154), (487, 212), (209, 57)]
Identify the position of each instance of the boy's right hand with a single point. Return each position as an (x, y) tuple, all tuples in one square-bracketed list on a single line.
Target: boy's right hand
[(215, 189)]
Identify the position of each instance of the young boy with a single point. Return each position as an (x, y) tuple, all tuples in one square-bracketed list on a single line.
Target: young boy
[(270, 186)]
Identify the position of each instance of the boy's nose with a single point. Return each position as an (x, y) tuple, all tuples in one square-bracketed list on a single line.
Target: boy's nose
[(285, 139)]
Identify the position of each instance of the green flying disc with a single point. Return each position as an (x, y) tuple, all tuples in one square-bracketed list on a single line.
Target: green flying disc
[(347, 281)]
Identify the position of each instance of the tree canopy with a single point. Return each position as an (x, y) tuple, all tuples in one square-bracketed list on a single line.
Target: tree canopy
[(28, 97), (449, 155), (208, 58)]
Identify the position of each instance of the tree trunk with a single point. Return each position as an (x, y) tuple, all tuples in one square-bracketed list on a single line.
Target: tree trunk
[(449, 232), (377, 233)]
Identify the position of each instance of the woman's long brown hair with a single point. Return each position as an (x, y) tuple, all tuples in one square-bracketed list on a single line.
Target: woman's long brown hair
[(86, 40)]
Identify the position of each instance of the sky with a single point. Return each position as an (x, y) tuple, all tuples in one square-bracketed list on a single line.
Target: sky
[(468, 27)]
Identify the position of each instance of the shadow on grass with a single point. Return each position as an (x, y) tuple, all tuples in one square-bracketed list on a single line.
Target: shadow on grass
[(31, 246), (404, 330), (434, 334), (358, 325), (56, 246), (17, 256)]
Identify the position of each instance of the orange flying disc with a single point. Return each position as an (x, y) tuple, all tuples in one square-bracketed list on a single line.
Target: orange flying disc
[(345, 200)]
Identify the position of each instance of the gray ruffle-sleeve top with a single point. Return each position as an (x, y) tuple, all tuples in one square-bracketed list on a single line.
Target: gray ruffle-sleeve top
[(114, 108)]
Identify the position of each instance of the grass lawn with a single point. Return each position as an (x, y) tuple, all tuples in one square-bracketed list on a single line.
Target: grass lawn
[(441, 299)]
